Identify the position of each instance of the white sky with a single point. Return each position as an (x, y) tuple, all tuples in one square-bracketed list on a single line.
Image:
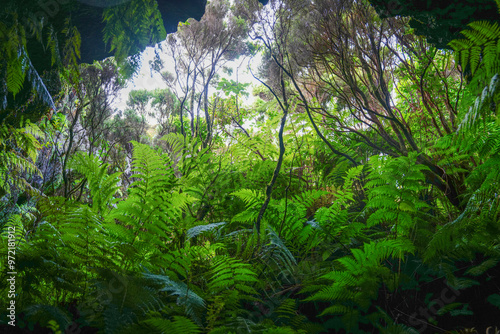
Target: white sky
[(151, 80)]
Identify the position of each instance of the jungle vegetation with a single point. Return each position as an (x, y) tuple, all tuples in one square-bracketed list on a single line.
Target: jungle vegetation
[(358, 193)]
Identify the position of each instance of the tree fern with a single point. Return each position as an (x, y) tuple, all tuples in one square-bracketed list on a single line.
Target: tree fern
[(200, 229), (475, 229)]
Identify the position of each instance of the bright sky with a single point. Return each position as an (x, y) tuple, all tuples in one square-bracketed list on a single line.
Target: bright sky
[(151, 80), (144, 79)]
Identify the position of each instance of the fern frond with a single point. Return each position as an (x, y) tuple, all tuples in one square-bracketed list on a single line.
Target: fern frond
[(185, 296), (395, 185), (18, 151), (102, 186), (179, 325), (482, 31), (481, 108), (479, 49), (250, 197), (13, 226), (141, 18), (230, 274), (354, 288), (197, 230)]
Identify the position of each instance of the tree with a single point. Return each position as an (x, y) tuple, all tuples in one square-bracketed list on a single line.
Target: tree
[(138, 101), (101, 83), (87, 105), (40, 36), (166, 107), (199, 50), (367, 80)]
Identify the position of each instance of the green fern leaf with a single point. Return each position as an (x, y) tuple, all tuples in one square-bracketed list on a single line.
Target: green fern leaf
[(179, 325)]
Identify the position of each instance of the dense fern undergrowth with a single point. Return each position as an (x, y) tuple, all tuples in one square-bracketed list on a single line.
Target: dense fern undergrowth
[(322, 217)]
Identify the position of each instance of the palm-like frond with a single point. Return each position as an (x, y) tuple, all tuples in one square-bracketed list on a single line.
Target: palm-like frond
[(102, 186)]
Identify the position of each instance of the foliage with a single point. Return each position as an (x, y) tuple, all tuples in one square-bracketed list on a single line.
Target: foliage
[(15, 62), (478, 51), (439, 22), (18, 153), (395, 188), (358, 194), (131, 27), (355, 285)]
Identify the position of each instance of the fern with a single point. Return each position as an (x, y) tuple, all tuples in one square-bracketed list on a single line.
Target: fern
[(335, 219), (152, 206), (252, 148), (141, 18), (13, 50), (476, 228), (179, 325), (231, 274), (175, 142), (482, 268), (82, 234), (76, 231), (153, 177), (18, 151), (197, 230), (44, 314), (102, 186), (479, 50), (187, 298), (481, 110), (394, 188), (252, 200), (276, 250), (353, 289), (18, 65), (181, 263), (14, 223)]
